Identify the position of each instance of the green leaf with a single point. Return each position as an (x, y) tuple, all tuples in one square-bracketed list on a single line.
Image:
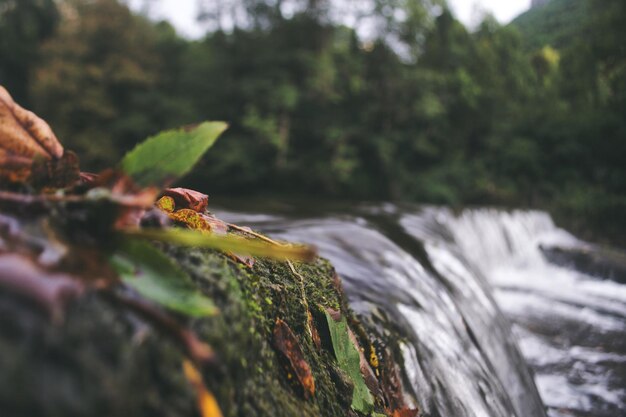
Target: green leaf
[(349, 361), (169, 155), (154, 276), (229, 243)]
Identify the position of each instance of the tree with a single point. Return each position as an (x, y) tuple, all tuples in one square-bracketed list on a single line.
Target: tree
[(23, 25), (101, 79)]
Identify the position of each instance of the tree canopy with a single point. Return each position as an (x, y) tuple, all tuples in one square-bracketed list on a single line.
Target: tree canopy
[(383, 99)]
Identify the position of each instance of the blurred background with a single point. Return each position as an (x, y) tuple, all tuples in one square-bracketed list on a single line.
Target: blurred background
[(353, 99)]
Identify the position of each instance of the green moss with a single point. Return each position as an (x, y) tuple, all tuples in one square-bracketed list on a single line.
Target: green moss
[(105, 360), (250, 300)]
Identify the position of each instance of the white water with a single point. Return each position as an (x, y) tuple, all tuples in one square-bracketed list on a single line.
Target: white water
[(563, 317)]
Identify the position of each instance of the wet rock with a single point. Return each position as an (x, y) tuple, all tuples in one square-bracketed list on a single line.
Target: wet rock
[(601, 262)]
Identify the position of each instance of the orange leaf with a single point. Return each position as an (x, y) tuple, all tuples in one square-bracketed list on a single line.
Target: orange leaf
[(405, 412), (166, 204), (199, 221), (206, 401)]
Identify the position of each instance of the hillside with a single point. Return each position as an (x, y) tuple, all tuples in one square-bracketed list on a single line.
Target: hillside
[(555, 23)]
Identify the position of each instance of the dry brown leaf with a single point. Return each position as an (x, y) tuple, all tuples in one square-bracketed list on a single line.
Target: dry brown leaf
[(405, 412), (392, 385), (207, 405), (312, 328), (286, 343), (187, 199), (22, 133)]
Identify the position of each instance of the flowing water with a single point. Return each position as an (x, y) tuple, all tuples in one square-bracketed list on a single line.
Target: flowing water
[(464, 294)]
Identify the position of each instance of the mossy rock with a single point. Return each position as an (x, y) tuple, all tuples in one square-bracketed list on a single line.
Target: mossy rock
[(103, 359)]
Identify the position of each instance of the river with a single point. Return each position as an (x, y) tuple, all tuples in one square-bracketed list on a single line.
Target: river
[(487, 326)]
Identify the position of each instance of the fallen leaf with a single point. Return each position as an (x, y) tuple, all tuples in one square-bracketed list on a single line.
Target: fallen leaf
[(188, 199), (207, 405), (154, 276), (227, 243), (315, 335), (405, 412), (199, 221), (349, 360), (286, 343), (171, 203), (22, 133), (392, 386), (166, 203)]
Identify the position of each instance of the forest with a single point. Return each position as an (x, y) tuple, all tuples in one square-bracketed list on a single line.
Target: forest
[(388, 100)]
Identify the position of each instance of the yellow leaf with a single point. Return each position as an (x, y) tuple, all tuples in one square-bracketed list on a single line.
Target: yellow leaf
[(206, 401), (228, 243)]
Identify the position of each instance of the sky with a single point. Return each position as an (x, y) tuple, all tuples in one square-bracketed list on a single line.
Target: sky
[(470, 12), (182, 13)]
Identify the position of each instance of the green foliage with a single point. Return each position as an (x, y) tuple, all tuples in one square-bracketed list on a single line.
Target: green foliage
[(556, 23), (106, 79), (424, 110), (24, 24), (349, 361), (163, 158), (156, 277)]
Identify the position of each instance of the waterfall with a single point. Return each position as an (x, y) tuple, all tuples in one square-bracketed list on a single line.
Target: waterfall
[(564, 320)]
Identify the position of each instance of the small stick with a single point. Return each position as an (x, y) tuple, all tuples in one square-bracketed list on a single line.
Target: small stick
[(255, 234)]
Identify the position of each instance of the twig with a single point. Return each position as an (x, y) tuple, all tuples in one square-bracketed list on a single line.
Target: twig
[(291, 267), (255, 234), (304, 299)]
